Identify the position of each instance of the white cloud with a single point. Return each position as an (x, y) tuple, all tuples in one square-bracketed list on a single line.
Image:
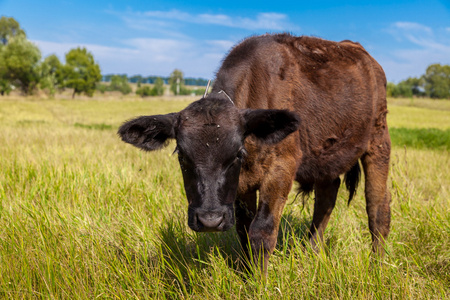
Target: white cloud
[(60, 49), (165, 19), (272, 21), (148, 56), (405, 63), (411, 26), (420, 46), (172, 14), (159, 45), (159, 50), (222, 45), (163, 41)]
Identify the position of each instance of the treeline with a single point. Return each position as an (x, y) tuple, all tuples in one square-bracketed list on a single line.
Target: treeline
[(435, 83), (177, 84), (152, 79)]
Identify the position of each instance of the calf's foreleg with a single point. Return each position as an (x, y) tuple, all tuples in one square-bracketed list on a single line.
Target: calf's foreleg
[(263, 231), (245, 211)]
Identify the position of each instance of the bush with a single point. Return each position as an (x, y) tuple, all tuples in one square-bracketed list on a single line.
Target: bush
[(185, 91), (119, 83), (157, 90), (199, 92), (101, 87), (146, 90)]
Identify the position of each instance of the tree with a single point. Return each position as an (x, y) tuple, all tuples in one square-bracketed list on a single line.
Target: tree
[(159, 87), (9, 28), (437, 81), (19, 65), (407, 88), (19, 58), (51, 74), (81, 72), (176, 81), (135, 79), (5, 86), (415, 85), (390, 88)]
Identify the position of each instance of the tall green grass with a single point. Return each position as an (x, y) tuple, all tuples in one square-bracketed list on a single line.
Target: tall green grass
[(84, 216), (422, 138)]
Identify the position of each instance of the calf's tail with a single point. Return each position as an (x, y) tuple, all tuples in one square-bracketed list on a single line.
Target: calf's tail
[(351, 179)]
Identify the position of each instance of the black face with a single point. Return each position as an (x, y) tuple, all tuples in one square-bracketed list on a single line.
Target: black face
[(210, 137), (210, 147)]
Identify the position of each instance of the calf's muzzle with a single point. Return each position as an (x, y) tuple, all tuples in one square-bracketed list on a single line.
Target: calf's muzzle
[(202, 220)]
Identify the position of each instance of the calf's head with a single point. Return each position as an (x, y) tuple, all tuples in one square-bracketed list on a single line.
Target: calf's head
[(210, 136)]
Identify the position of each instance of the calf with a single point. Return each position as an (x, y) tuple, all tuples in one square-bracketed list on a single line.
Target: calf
[(282, 108)]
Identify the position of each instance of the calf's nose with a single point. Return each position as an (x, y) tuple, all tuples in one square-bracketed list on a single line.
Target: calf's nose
[(210, 220)]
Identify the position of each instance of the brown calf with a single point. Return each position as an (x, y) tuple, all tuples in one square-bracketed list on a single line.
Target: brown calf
[(282, 108)]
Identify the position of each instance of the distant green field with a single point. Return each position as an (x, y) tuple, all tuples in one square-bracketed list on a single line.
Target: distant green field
[(419, 123), (85, 216)]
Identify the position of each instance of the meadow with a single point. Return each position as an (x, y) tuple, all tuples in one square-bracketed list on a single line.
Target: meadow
[(85, 216)]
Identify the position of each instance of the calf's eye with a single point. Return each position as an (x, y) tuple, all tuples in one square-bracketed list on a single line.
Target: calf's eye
[(241, 154)]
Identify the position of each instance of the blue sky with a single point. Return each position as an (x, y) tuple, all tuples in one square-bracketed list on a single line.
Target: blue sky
[(155, 37)]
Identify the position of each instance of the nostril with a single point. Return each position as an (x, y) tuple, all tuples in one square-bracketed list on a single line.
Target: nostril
[(210, 220)]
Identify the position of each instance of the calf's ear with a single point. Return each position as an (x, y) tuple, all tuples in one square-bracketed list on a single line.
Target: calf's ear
[(149, 132), (270, 125)]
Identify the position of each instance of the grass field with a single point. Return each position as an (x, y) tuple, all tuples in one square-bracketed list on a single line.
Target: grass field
[(85, 216)]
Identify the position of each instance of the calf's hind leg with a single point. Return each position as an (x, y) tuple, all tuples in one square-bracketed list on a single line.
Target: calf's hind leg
[(325, 199), (376, 168)]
